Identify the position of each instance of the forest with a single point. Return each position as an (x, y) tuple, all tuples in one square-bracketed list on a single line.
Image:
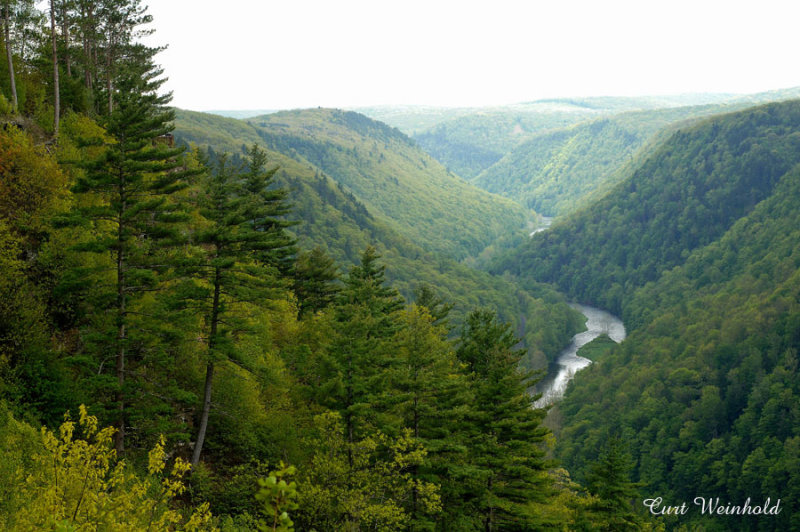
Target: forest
[(310, 320), (699, 255), (175, 355)]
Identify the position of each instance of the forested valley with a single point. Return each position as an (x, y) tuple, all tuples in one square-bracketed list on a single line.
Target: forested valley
[(313, 320)]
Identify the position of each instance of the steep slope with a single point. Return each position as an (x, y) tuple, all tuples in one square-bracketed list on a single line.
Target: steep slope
[(706, 391), (336, 221), (700, 250), (471, 143), (397, 181), (684, 196), (554, 171), (558, 171)]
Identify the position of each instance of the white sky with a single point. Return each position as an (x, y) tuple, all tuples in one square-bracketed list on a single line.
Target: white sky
[(276, 54)]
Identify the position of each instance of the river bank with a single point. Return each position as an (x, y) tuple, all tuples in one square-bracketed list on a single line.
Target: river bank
[(568, 362)]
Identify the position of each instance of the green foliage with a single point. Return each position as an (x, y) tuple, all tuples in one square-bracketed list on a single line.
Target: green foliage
[(475, 139), (76, 483), (608, 480), (598, 347), (685, 196), (125, 200), (338, 224), (315, 281), (278, 497), (704, 388), (365, 321), (555, 172), (507, 436), (361, 484), (396, 181)]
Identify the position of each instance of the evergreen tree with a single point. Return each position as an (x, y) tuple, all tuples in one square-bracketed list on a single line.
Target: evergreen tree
[(7, 7), (315, 281), (439, 309), (264, 206), (609, 480), (125, 196), (231, 274), (427, 393), (356, 367), (508, 435)]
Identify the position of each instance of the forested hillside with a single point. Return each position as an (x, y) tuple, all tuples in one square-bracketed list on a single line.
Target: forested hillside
[(698, 249), (395, 180), (177, 353), (471, 143), (555, 172), (336, 222), (558, 171), (684, 196), (706, 390), (215, 324)]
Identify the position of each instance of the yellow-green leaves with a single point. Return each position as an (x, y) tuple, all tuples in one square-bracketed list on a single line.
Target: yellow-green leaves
[(76, 483), (278, 497)]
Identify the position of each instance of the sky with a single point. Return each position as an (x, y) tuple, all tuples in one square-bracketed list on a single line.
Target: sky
[(285, 54)]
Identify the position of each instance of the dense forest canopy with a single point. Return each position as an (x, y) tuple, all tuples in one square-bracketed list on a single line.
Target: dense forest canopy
[(275, 323), (697, 249)]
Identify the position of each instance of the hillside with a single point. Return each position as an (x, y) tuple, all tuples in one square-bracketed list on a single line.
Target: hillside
[(339, 223), (396, 181), (684, 196), (706, 390), (698, 248), (471, 143), (555, 171)]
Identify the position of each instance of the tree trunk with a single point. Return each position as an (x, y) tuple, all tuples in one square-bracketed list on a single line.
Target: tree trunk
[(65, 31), (489, 523), (120, 395), (109, 84), (6, 24), (119, 441), (201, 431), (56, 90)]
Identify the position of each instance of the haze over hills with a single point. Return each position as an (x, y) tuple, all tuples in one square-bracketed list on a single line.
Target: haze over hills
[(555, 172), (470, 140)]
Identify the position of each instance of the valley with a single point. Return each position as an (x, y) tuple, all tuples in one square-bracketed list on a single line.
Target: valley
[(531, 316)]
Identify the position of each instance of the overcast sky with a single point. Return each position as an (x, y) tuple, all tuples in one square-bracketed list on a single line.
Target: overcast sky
[(278, 54)]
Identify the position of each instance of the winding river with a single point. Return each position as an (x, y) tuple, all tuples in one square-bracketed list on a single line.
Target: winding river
[(568, 362)]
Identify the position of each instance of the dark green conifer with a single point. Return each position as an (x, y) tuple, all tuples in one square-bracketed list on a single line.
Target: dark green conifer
[(126, 198), (507, 442)]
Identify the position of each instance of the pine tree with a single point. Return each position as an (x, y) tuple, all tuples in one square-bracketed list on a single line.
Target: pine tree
[(239, 238), (315, 281), (366, 317), (609, 480), (125, 196), (427, 392), (265, 207), (7, 7), (425, 296), (508, 435)]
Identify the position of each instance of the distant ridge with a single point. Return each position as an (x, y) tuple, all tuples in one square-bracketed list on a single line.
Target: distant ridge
[(242, 113)]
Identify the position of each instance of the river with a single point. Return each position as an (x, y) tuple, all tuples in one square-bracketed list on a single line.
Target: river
[(568, 362), (544, 224)]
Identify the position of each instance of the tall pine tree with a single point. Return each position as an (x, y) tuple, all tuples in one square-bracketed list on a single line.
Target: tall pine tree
[(125, 197), (507, 440), (357, 366), (244, 244)]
